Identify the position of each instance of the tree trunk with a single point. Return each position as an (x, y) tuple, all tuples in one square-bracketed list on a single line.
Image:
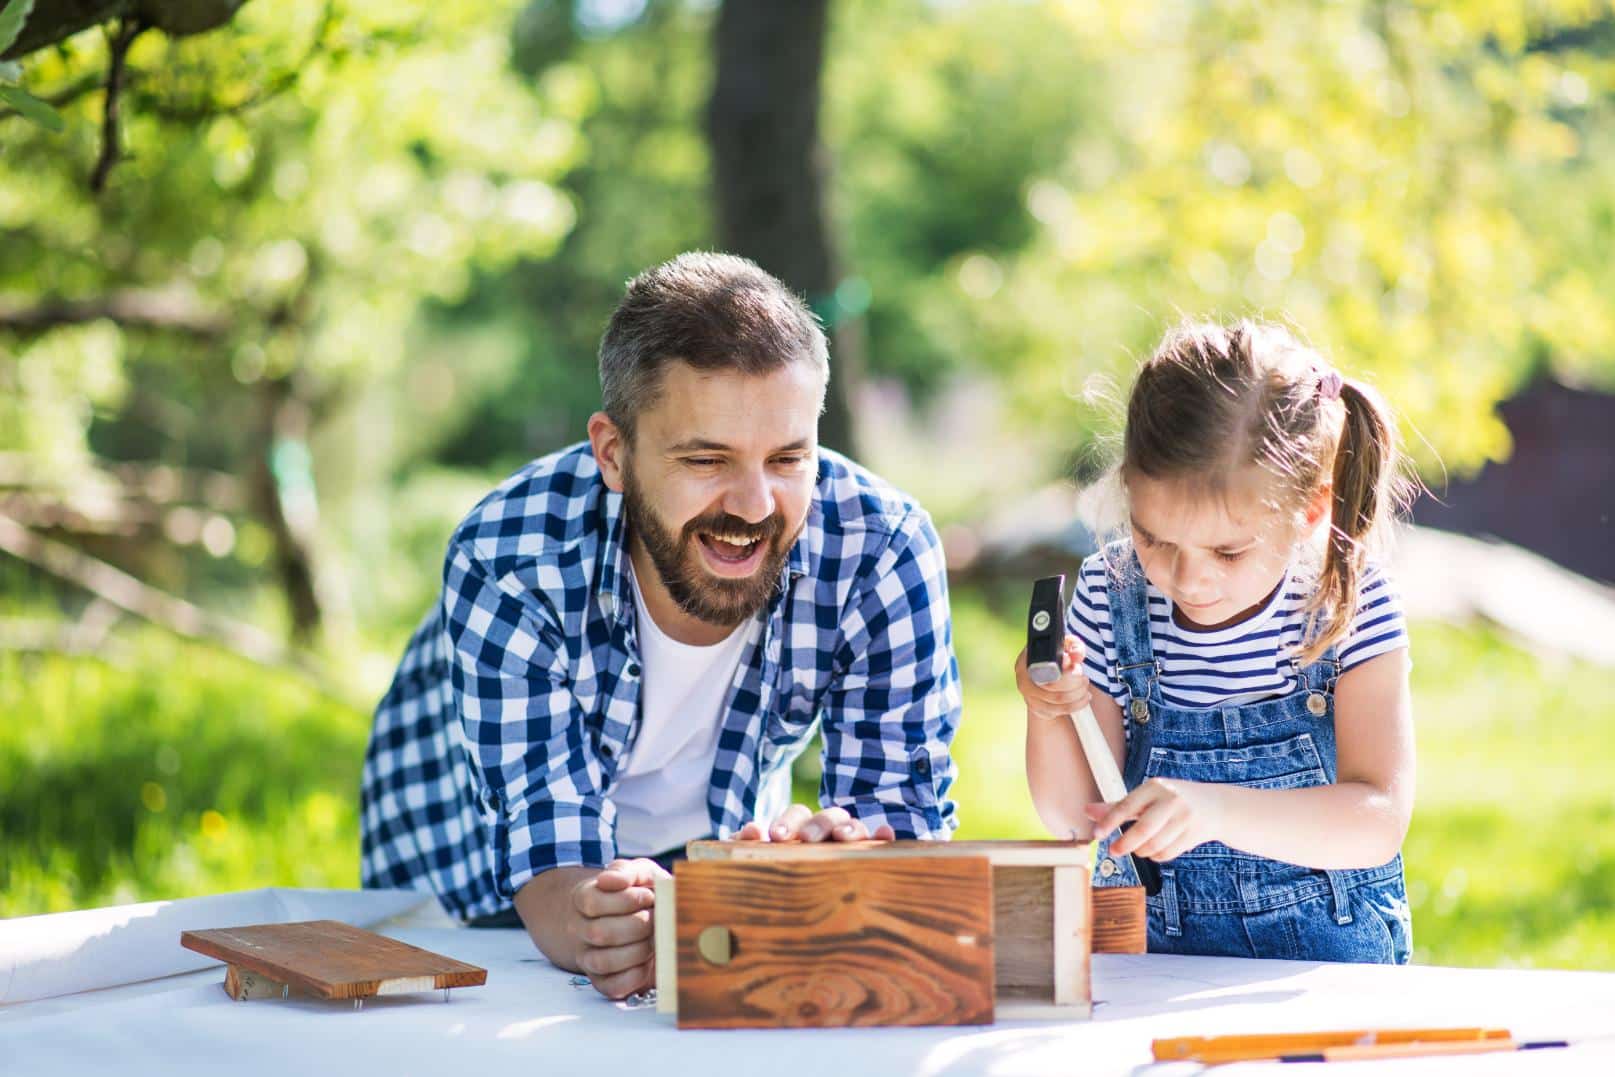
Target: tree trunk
[(283, 499), (770, 171)]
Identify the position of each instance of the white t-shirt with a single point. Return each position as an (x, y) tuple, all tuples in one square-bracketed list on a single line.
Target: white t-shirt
[(1242, 663), (661, 792)]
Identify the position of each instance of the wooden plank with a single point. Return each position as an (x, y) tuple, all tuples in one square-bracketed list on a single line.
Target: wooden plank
[(1023, 924), (332, 960), (665, 927), (1119, 921), (816, 943), (1072, 935), (999, 853)]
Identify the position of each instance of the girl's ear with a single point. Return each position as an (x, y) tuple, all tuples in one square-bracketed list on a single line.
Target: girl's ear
[(1320, 504)]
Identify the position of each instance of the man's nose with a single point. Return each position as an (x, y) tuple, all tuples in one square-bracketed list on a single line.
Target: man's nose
[(750, 497)]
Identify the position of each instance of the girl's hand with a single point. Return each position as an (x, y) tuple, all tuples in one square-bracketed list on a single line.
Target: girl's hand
[(1065, 696), (1170, 817)]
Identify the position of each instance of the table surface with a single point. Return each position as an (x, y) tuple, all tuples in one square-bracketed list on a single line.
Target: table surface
[(529, 1015)]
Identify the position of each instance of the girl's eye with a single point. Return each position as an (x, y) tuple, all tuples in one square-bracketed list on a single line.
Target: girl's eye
[(1230, 558)]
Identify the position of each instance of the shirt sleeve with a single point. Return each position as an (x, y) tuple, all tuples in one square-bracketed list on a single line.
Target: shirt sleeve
[(1378, 625), (1088, 619), (894, 702), (538, 780)]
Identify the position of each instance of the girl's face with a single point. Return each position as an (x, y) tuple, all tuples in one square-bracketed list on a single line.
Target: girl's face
[(1217, 559)]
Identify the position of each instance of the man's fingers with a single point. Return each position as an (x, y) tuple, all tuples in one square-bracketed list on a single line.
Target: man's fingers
[(601, 961), (752, 831), (594, 901), (622, 874), (606, 931), (819, 827), (851, 830), (790, 822), (884, 832), (622, 984)]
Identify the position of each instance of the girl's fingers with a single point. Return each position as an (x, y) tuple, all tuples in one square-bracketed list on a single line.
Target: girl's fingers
[(1164, 845), (1152, 822)]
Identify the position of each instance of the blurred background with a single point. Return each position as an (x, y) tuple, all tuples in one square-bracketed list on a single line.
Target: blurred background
[(312, 276)]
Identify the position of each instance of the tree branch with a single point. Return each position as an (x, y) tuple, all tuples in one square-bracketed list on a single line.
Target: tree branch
[(169, 311), (118, 52), (122, 590)]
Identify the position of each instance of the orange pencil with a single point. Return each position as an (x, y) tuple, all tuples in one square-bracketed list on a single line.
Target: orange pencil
[(1419, 1050), (1215, 1049)]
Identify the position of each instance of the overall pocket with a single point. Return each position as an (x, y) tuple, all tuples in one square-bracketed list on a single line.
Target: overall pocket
[(1291, 763)]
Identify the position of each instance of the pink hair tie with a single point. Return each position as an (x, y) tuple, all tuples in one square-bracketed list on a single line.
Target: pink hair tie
[(1329, 385)]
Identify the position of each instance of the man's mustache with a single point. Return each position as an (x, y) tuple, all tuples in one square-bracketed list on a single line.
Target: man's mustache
[(724, 524)]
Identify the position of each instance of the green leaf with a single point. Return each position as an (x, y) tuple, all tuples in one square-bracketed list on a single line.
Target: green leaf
[(12, 17), (31, 107), (10, 72)]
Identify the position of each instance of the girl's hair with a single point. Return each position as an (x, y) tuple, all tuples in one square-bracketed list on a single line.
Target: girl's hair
[(1214, 400)]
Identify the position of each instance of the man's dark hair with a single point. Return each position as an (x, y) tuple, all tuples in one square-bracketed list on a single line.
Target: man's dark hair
[(712, 311)]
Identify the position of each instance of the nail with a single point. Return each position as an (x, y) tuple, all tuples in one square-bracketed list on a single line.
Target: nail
[(813, 832), (779, 831)]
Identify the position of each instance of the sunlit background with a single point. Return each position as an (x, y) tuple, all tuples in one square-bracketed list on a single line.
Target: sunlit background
[(344, 265)]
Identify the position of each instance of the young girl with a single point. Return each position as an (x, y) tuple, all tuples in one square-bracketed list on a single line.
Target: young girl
[(1253, 686)]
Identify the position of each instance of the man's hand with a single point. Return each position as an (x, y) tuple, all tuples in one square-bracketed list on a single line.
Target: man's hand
[(800, 823), (597, 923)]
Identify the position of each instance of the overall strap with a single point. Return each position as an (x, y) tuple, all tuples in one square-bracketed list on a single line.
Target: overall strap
[(1136, 664)]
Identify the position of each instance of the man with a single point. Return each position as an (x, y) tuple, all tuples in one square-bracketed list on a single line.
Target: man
[(639, 634)]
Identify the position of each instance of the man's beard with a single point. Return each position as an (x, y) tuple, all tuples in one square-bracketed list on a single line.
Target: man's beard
[(698, 592)]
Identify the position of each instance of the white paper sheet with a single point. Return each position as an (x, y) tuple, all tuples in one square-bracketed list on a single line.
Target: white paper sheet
[(528, 1019), (65, 953)]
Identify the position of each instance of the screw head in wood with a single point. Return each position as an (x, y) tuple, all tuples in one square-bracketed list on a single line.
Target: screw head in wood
[(715, 945)]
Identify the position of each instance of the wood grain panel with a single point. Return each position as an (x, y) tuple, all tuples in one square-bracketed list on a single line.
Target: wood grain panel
[(332, 959), (1119, 924), (887, 941), (1023, 933)]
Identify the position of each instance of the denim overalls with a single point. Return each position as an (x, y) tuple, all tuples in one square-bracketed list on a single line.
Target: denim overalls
[(1216, 900)]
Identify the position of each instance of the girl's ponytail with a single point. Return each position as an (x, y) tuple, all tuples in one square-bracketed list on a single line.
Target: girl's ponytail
[(1367, 490)]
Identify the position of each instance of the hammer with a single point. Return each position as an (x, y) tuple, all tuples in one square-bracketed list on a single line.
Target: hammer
[(1045, 642)]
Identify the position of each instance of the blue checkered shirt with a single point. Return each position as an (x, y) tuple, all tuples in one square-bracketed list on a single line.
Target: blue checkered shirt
[(495, 751)]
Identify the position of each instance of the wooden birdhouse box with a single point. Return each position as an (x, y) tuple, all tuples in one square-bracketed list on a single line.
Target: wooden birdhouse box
[(769, 935)]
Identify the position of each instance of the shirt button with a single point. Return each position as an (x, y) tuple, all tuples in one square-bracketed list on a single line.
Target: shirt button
[(633, 669), (607, 751), (922, 766), (1107, 868)]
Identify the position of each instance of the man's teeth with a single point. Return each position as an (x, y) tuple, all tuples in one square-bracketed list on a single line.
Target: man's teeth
[(734, 540)]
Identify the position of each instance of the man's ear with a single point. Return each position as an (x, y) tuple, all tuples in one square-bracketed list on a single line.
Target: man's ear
[(610, 447)]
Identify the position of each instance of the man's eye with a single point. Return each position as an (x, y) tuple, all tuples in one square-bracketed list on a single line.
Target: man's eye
[(790, 461), (702, 461)]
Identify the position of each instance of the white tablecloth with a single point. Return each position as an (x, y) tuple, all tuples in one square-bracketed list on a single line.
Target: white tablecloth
[(528, 1019)]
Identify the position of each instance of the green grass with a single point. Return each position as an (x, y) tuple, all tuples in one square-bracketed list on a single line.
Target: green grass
[(177, 770)]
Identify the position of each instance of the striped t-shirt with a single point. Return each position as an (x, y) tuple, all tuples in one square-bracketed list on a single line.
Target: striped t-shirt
[(1230, 666)]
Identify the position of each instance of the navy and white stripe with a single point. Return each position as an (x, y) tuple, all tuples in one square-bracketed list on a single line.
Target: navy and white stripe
[(494, 753), (1232, 666)]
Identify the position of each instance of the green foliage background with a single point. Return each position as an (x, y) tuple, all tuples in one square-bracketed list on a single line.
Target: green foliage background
[(413, 217)]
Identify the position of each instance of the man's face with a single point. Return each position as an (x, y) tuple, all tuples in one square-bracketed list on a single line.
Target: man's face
[(718, 480)]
